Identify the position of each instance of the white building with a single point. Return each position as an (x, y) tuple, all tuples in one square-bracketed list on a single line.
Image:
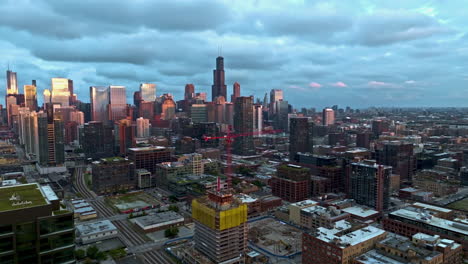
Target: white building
[(97, 231), (143, 127)]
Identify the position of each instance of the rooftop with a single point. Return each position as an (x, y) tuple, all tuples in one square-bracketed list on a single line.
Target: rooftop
[(158, 218), (432, 207), (360, 211), (147, 148), (374, 257), (347, 239), (425, 217), (95, 228), (21, 196)]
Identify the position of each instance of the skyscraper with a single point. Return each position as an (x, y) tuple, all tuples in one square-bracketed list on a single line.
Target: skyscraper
[(99, 101), (97, 140), (60, 91), (300, 136), (243, 124), (143, 127), (220, 227), (328, 117), (117, 103), (219, 86), (258, 117), (235, 92), (30, 95), (275, 96), (12, 86), (148, 92), (369, 184), (189, 91), (51, 138)]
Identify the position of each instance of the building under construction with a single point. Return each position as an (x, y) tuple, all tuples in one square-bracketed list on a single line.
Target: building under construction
[(220, 227)]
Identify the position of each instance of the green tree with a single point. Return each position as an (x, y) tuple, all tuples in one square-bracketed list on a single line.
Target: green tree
[(171, 232), (117, 253), (174, 208), (80, 254), (92, 252)]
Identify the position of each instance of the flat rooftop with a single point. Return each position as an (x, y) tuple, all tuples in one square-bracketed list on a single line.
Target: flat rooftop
[(147, 148), (22, 196), (347, 239), (432, 207), (359, 211), (425, 217), (374, 257), (95, 228), (158, 218)]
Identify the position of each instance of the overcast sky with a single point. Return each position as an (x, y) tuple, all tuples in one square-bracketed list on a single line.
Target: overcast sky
[(347, 52)]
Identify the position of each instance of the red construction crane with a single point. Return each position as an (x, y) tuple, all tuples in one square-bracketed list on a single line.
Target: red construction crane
[(229, 138)]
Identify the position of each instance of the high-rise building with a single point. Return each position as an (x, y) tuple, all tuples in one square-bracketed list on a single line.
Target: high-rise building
[(243, 124), (363, 140), (219, 87), (113, 174), (235, 92), (34, 227), (51, 138), (198, 113), (143, 127), (291, 183), (300, 136), (275, 96), (281, 116), (399, 155), (96, 140), (258, 117), (47, 96), (99, 98), (28, 135), (369, 184), (148, 158), (379, 127), (328, 117), (168, 107), (189, 93), (148, 92), (220, 227), (30, 96), (117, 103), (125, 135), (12, 85), (60, 92), (12, 108)]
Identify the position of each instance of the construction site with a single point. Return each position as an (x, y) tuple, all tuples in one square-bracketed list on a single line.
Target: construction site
[(275, 236)]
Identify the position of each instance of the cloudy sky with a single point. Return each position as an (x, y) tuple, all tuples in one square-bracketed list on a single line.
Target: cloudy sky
[(347, 52)]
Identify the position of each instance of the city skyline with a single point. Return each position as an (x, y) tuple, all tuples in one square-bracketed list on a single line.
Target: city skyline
[(357, 54)]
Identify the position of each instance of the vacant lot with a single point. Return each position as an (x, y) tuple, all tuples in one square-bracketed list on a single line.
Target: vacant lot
[(131, 201)]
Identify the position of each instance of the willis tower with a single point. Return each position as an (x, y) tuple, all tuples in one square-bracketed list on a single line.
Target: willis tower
[(219, 87)]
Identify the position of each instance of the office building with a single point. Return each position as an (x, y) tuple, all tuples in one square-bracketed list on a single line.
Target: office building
[(300, 136), (51, 138), (220, 227), (243, 124), (281, 117), (328, 117), (369, 184), (148, 92), (149, 157), (143, 127), (33, 227), (168, 107), (113, 174), (189, 92), (125, 134), (363, 140), (97, 140), (400, 156), (144, 178), (117, 108), (219, 87), (198, 113), (379, 127), (12, 85), (275, 96), (339, 244), (291, 183), (257, 118), (60, 92), (30, 96), (235, 92), (99, 98), (146, 110), (28, 135), (411, 220)]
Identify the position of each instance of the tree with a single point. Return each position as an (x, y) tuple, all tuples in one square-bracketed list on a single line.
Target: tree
[(117, 253), (171, 232), (173, 208), (80, 254), (258, 183), (92, 252)]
